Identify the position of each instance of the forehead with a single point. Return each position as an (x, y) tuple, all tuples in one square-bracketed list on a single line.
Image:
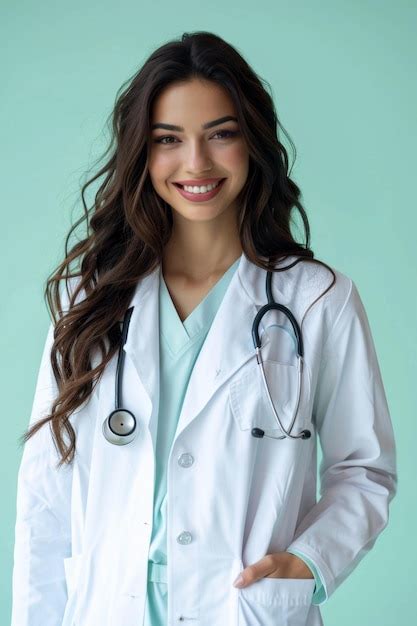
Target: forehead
[(192, 100)]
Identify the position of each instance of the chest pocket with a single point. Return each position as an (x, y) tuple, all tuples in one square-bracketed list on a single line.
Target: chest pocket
[(249, 400)]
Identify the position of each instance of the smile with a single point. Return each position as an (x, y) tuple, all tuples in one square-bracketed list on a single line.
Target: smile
[(198, 196)]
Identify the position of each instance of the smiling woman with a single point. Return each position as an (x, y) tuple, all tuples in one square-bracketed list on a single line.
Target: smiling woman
[(182, 478)]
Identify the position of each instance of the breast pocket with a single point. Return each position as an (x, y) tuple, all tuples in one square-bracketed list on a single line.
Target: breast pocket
[(251, 406)]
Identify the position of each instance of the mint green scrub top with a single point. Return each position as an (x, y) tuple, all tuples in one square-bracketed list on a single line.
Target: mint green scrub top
[(180, 344)]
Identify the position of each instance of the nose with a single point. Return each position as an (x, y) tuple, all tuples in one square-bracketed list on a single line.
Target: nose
[(198, 159)]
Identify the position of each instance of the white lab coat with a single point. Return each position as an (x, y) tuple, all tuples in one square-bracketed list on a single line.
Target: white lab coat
[(83, 532)]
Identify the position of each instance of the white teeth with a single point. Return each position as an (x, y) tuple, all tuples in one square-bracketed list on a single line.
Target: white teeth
[(202, 189)]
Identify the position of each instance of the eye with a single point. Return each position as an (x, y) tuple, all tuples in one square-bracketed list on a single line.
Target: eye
[(161, 139), (228, 133), (225, 135)]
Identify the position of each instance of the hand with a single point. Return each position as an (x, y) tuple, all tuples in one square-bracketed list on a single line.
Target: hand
[(278, 565)]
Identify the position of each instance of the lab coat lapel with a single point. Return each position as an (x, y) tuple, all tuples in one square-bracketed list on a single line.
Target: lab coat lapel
[(229, 343)]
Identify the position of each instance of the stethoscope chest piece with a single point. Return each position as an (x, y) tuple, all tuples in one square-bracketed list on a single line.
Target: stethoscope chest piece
[(120, 427)]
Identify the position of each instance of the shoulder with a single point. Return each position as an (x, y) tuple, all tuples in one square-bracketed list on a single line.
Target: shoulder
[(321, 288), (312, 277)]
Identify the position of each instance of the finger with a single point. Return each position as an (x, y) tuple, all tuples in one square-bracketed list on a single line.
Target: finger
[(254, 572)]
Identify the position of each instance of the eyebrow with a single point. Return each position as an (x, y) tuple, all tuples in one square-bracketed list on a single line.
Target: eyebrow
[(221, 120)]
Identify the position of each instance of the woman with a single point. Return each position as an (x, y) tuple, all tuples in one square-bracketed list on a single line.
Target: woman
[(191, 495)]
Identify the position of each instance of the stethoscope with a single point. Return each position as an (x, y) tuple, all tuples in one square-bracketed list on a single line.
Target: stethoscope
[(120, 426)]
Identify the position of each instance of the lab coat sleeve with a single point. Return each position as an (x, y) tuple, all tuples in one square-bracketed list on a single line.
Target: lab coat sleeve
[(358, 473), (42, 529), (319, 587)]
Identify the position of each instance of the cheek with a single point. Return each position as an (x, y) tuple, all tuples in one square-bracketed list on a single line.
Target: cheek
[(237, 157), (161, 166)]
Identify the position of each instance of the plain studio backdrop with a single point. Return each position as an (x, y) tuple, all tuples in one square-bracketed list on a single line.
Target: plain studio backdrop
[(343, 80)]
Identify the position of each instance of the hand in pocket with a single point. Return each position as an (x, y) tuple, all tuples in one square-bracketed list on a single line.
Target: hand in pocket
[(277, 565)]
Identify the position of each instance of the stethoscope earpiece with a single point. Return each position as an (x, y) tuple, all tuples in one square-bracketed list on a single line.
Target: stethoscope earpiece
[(259, 433)]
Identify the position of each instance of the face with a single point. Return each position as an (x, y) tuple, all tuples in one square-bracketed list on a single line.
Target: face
[(204, 148)]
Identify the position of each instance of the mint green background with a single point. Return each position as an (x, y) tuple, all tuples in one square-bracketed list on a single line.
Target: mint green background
[(343, 79)]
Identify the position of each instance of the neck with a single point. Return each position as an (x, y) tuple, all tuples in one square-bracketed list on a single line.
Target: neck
[(199, 250)]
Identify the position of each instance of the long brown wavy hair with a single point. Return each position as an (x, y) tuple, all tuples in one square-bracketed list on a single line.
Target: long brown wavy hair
[(129, 224)]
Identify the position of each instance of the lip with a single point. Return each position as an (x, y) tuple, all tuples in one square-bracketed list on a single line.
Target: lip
[(200, 197), (197, 181)]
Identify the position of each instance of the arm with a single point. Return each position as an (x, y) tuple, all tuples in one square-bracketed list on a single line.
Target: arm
[(42, 530), (358, 476)]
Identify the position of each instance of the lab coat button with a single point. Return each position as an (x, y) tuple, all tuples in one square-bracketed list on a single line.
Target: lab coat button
[(185, 460), (184, 538)]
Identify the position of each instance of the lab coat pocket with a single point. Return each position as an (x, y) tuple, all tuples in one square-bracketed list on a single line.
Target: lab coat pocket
[(250, 403), (273, 601)]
